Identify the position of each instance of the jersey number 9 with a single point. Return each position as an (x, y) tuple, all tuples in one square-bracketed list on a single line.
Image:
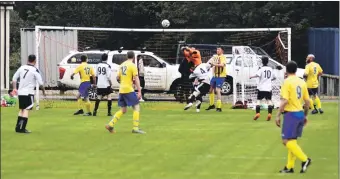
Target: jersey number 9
[(102, 71), (124, 70), (298, 92)]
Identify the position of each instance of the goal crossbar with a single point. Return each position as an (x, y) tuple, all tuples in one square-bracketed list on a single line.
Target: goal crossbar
[(288, 29)]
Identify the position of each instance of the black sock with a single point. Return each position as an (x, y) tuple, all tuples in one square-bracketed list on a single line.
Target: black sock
[(192, 98), (109, 105), (199, 98), (258, 107), (19, 123), (270, 109), (25, 120), (96, 105)]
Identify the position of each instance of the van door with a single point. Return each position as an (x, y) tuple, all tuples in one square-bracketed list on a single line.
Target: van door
[(117, 59), (154, 73)]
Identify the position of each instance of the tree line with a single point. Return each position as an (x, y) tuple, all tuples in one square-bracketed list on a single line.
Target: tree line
[(297, 15)]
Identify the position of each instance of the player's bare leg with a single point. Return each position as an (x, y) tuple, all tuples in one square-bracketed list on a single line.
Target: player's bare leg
[(99, 98), (270, 109), (22, 121), (219, 100), (135, 117), (257, 109), (80, 105), (211, 98), (110, 126)]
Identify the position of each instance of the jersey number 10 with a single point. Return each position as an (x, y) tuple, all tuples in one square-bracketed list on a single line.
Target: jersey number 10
[(267, 74)]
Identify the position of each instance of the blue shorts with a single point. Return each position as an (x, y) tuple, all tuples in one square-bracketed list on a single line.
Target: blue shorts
[(84, 89), (128, 99), (217, 82), (292, 126)]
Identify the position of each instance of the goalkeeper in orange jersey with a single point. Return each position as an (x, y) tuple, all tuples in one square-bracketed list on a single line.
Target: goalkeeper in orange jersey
[(312, 73)]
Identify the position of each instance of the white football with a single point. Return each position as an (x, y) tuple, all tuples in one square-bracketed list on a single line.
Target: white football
[(165, 23)]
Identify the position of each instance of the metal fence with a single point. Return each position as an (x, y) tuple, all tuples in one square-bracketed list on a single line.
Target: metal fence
[(53, 47), (329, 85)]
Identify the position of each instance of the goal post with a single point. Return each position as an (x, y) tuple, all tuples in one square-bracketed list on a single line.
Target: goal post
[(161, 32)]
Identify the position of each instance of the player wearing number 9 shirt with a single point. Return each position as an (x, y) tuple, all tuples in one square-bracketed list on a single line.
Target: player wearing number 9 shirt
[(312, 73), (85, 72), (294, 106), (127, 76)]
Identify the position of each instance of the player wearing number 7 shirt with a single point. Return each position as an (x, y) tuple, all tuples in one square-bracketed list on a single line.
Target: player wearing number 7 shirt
[(264, 88), (85, 72)]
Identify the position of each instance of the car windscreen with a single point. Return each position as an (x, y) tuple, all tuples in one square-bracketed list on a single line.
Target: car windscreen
[(119, 58)]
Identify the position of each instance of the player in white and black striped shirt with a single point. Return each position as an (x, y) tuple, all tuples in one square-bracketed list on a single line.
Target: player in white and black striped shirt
[(29, 76)]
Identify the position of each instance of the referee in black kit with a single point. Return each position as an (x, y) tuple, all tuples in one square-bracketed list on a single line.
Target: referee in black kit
[(29, 76)]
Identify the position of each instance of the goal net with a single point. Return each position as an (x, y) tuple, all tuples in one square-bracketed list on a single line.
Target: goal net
[(247, 63), (164, 43)]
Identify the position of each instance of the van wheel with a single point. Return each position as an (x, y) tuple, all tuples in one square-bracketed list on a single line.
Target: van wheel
[(93, 94), (177, 93), (227, 87)]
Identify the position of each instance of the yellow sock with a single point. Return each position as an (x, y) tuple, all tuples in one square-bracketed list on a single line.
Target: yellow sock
[(219, 103), (311, 103), (290, 160), (135, 117), (296, 150), (80, 103), (211, 98), (317, 102), (115, 118), (88, 106)]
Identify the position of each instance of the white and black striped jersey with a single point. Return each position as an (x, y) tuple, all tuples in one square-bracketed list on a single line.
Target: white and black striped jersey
[(266, 76), (202, 73), (29, 76), (103, 73)]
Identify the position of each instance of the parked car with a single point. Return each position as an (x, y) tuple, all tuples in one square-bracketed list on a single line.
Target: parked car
[(160, 76)]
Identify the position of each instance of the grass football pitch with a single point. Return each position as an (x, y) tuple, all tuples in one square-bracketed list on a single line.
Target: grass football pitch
[(178, 144)]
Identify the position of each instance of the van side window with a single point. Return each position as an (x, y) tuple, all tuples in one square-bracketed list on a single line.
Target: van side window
[(149, 61), (93, 58), (119, 58)]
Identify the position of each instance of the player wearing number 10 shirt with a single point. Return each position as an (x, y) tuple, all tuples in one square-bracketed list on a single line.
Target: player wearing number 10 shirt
[(85, 72), (264, 87), (127, 76)]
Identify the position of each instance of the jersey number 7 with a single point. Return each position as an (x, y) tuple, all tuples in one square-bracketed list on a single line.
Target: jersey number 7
[(87, 70)]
